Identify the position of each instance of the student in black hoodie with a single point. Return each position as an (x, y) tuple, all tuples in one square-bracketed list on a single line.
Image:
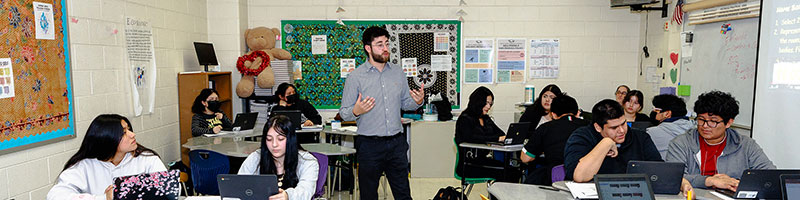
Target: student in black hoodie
[(474, 125), (288, 99)]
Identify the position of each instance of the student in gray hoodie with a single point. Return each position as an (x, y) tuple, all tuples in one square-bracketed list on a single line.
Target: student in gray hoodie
[(670, 113), (715, 155)]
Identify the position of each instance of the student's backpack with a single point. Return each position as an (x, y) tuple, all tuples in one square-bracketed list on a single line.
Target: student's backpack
[(449, 193)]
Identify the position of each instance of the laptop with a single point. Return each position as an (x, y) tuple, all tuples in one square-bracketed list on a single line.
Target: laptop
[(665, 177), (790, 186), (623, 186), (761, 183), (294, 117), (157, 185), (247, 187), (641, 125), (517, 134), (245, 121)]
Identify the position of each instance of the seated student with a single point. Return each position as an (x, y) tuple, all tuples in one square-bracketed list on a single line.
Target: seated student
[(622, 91), (280, 154), (537, 114), (670, 112), (208, 118), (716, 155), (606, 145), (632, 103), (109, 149), (288, 99), (550, 139), (475, 126)]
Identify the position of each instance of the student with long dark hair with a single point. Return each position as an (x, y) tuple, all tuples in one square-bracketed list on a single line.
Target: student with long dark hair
[(208, 118), (280, 154), (108, 150), (474, 125), (632, 104), (538, 114), (288, 99)]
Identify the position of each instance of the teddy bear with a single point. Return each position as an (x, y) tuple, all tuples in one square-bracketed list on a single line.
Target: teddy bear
[(256, 63)]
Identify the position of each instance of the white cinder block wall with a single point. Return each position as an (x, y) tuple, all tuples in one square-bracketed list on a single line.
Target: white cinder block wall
[(101, 84), (599, 45)]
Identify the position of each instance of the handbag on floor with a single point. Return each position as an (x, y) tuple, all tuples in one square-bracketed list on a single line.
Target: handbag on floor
[(449, 193)]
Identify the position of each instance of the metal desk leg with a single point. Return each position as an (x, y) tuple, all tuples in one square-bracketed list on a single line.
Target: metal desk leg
[(330, 187)]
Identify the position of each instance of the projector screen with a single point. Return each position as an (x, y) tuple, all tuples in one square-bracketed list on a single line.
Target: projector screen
[(776, 113)]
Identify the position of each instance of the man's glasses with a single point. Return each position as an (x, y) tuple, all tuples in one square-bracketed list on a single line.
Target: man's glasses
[(710, 123)]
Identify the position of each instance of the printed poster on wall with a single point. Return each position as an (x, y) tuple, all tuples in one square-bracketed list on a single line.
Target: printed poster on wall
[(511, 60), (6, 78), (140, 53), (43, 20), (441, 41), (478, 61), (346, 65), (319, 44), (410, 66), (441, 63), (545, 58)]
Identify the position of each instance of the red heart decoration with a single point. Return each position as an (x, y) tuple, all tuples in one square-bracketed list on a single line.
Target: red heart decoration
[(265, 61), (674, 57)]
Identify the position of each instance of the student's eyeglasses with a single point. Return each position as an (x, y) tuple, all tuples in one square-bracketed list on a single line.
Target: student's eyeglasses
[(710, 123)]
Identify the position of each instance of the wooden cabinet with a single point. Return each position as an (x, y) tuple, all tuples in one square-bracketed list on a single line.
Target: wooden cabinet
[(189, 86)]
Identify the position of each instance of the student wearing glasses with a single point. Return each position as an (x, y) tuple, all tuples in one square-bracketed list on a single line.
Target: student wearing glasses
[(606, 145), (622, 90), (716, 155)]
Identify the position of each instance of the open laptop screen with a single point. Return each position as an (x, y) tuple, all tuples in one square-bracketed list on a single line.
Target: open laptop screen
[(791, 186), (623, 186)]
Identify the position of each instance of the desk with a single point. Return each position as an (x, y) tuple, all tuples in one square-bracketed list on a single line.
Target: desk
[(507, 189), (335, 136), (332, 150), (226, 146), (433, 153), (510, 152)]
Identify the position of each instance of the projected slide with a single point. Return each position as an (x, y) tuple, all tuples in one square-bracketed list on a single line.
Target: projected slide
[(783, 44)]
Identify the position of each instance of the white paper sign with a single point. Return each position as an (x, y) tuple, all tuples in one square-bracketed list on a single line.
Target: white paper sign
[(346, 65), (410, 67), (43, 20), (319, 44), (441, 62), (140, 54), (6, 78), (441, 41), (545, 58)]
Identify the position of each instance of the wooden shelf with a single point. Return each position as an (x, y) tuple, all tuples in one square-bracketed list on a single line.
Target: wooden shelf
[(189, 86)]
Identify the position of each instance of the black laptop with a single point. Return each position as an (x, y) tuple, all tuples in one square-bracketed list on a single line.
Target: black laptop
[(761, 183), (790, 186), (245, 121), (247, 187), (665, 177), (517, 134), (623, 186), (294, 117)]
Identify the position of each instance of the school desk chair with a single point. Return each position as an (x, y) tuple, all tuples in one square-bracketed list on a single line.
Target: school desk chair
[(205, 166)]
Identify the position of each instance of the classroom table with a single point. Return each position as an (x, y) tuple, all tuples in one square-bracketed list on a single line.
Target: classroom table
[(503, 190), (509, 151), (225, 145), (336, 136), (331, 150)]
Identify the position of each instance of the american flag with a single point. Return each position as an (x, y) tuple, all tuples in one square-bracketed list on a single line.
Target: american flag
[(677, 16)]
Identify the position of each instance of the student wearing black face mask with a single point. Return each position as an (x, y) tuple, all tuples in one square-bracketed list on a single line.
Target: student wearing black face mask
[(208, 118), (288, 99)]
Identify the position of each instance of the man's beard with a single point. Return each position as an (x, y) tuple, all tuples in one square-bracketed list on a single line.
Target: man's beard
[(379, 57)]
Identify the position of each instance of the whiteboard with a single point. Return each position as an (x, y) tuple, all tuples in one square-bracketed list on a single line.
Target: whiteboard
[(725, 62)]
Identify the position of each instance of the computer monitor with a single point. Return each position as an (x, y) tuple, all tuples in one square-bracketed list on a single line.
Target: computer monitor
[(205, 54)]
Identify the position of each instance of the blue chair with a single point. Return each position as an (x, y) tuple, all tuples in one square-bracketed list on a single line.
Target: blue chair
[(323, 172), (205, 166)]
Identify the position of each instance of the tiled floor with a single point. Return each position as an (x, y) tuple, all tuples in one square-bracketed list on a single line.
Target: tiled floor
[(424, 188)]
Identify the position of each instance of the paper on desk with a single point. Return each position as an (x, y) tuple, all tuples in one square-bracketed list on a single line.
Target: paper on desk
[(582, 190), (221, 133), (312, 128), (349, 128)]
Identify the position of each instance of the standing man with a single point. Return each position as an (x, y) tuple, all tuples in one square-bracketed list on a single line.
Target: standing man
[(373, 95)]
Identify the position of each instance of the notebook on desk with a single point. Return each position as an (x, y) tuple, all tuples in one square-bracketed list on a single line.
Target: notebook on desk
[(158, 185)]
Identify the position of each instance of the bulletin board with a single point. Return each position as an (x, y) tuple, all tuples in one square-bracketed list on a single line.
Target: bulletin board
[(321, 83), (36, 83)]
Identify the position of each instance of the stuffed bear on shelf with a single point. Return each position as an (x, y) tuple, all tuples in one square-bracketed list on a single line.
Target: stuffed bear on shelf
[(256, 63)]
